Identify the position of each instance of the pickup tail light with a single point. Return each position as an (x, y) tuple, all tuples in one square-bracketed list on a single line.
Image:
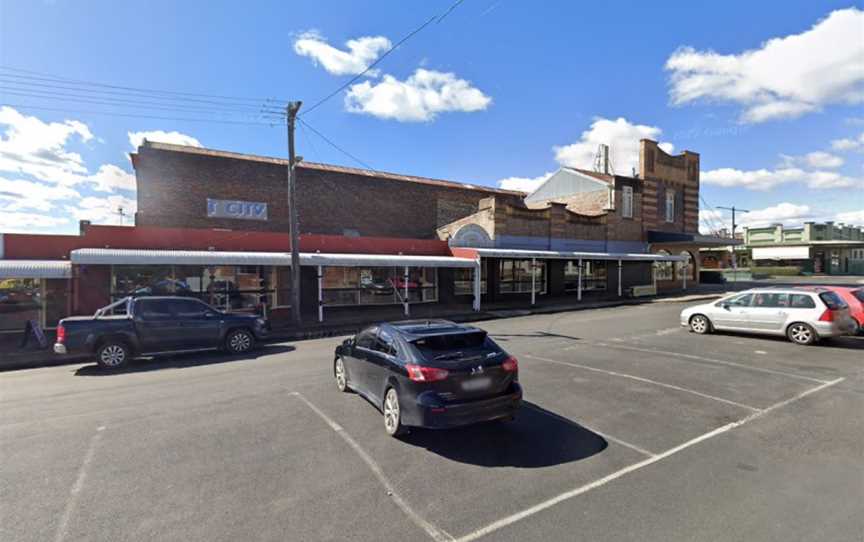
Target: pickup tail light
[(827, 316), (511, 364), (61, 334), (418, 373)]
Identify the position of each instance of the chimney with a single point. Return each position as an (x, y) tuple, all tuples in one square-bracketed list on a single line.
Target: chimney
[(604, 158)]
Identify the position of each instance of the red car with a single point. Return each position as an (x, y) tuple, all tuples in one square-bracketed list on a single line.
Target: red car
[(854, 297)]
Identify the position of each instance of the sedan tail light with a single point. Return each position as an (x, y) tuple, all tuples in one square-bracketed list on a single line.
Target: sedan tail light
[(827, 316), (61, 333), (418, 373), (511, 364)]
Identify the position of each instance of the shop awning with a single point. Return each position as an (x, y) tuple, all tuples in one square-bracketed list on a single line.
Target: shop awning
[(107, 256), (781, 253), (35, 269), (567, 255)]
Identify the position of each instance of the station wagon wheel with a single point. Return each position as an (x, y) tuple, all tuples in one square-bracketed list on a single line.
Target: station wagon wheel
[(392, 414), (113, 355), (340, 374), (700, 324), (239, 341), (800, 333)]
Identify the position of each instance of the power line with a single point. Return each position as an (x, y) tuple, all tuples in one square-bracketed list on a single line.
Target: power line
[(55, 78), (410, 35), (335, 146), (130, 115)]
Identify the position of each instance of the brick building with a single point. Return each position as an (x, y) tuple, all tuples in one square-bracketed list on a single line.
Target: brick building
[(214, 224)]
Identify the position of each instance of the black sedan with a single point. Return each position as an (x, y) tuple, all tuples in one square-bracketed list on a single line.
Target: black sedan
[(430, 373)]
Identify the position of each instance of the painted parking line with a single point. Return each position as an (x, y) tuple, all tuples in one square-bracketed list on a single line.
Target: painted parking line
[(72, 501), (606, 436), (509, 520), (702, 359), (647, 381), (437, 534)]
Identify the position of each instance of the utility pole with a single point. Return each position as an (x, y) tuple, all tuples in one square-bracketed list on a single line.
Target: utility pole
[(294, 222), (734, 225)]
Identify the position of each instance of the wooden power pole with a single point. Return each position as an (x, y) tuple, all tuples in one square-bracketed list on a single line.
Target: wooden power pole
[(294, 222)]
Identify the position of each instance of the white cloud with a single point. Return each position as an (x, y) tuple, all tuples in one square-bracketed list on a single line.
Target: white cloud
[(419, 98), (816, 159), (19, 194), (176, 138), (360, 54), (11, 222), (30, 146), (102, 210), (110, 178), (523, 184), (621, 135), (785, 213), (851, 217), (765, 179), (784, 78), (848, 144)]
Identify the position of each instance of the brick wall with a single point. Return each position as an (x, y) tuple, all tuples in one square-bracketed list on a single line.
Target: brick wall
[(173, 186), (660, 172)]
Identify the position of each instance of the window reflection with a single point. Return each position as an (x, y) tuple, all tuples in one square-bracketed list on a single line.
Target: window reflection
[(378, 285)]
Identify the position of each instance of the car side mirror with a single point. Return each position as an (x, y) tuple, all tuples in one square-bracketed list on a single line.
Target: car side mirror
[(726, 306)]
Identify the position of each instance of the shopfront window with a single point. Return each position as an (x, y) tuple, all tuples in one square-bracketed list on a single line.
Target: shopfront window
[(516, 276), (20, 301), (463, 280), (593, 275), (226, 287), (686, 267), (663, 270), (378, 285)]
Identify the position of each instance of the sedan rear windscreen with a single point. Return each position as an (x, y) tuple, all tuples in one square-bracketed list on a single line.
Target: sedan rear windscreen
[(436, 344), (832, 301)]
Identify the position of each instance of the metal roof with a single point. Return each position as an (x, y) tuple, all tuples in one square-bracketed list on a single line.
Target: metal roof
[(109, 256), (567, 255), (35, 269)]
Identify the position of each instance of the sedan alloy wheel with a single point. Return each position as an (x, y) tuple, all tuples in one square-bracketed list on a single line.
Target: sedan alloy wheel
[(392, 413)]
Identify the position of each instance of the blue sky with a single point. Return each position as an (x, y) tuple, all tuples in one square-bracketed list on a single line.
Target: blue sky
[(498, 91)]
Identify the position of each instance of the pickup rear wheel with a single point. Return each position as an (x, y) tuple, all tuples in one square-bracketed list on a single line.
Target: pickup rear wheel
[(113, 355), (239, 341)]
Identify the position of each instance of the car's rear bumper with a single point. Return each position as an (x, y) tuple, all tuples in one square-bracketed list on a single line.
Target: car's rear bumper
[(834, 329), (433, 415)]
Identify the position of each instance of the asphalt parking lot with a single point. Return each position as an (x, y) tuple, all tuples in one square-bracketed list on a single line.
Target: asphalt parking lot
[(633, 429)]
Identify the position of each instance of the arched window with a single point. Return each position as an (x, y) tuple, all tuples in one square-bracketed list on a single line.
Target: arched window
[(663, 270), (685, 267)]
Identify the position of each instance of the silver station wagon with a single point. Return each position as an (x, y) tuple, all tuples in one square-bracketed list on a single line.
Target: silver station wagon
[(802, 315)]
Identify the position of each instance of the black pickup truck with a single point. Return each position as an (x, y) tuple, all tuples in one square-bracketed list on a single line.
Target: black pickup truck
[(151, 325)]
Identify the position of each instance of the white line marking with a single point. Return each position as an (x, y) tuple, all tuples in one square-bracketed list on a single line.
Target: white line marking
[(707, 360), (503, 522), (647, 381), (63, 526), (760, 352), (439, 535), (606, 436)]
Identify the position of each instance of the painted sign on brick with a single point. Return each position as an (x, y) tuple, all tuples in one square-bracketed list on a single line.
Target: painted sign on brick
[(245, 210)]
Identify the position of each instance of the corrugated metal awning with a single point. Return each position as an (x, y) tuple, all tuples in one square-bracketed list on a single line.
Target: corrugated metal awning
[(107, 256), (567, 255), (35, 269)]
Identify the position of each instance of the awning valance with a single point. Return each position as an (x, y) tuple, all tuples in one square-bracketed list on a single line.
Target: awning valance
[(781, 253), (567, 255), (106, 256), (35, 269)]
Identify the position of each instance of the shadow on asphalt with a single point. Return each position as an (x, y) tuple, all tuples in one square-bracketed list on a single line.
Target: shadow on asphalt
[(537, 438), (537, 335), (844, 343), (183, 360)]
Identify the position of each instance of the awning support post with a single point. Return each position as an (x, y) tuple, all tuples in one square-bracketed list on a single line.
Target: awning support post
[(654, 276), (579, 282), (533, 281), (405, 279), (620, 286), (685, 270), (320, 294), (478, 270)]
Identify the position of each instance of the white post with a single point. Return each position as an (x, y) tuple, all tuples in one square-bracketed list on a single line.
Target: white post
[(654, 275), (579, 283), (533, 281), (320, 294), (405, 278), (684, 268), (620, 286), (478, 271)]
